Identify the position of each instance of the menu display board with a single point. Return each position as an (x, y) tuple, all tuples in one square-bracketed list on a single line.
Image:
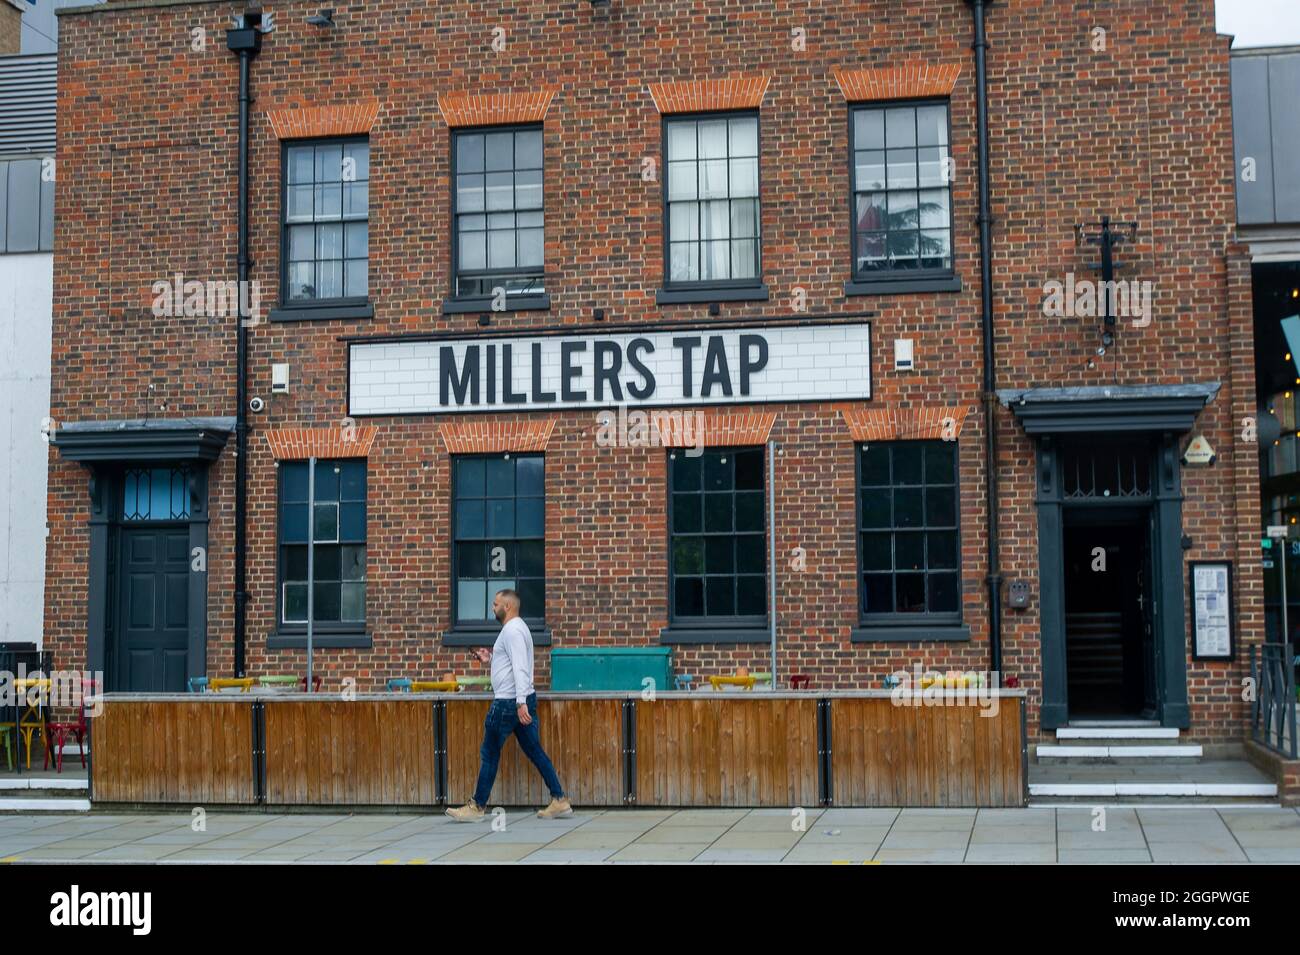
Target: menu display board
[(1212, 630)]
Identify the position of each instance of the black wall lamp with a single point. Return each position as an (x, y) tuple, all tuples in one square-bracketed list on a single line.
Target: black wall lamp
[(323, 19)]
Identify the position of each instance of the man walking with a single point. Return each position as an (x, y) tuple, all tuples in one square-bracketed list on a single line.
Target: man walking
[(513, 710)]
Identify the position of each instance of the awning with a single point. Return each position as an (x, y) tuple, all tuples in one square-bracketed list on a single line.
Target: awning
[(1109, 408), (144, 439)]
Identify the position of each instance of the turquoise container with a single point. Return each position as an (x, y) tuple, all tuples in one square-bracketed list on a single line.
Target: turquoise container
[(610, 668)]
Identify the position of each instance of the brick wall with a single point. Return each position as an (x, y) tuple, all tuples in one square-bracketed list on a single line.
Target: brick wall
[(1140, 130)]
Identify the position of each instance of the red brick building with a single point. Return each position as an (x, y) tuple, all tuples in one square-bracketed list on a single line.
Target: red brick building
[(747, 211)]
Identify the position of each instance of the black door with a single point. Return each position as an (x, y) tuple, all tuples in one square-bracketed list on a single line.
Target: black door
[(153, 632), (1150, 646)]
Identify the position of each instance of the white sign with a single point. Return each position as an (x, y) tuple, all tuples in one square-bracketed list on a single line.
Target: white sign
[(686, 366), (1199, 452), (1212, 611)]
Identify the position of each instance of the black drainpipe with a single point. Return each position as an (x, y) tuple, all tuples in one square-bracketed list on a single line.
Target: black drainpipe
[(980, 45), (245, 39)]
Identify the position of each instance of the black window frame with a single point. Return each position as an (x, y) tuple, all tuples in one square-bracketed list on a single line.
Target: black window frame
[(469, 628), (718, 624), (710, 290), (454, 302), (296, 629), (342, 307), (928, 620), (897, 280)]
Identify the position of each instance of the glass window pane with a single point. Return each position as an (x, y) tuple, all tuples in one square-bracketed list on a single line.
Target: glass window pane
[(907, 462), (868, 129), (356, 278), (878, 593), (902, 250), (329, 201), (900, 127), (744, 178), (469, 193), (713, 139), (688, 596), (470, 477), (876, 552), (293, 603), (936, 249), (909, 593), (751, 553), (529, 220), (301, 243), (715, 260), (293, 481), (907, 507), (875, 465), (472, 248), (529, 475), (934, 167), (356, 199), (471, 559), (713, 179), (531, 559), (688, 514), (871, 212), (944, 593), (909, 551), (751, 596), (749, 470), (329, 241), (470, 519), (932, 125), (329, 162), (744, 218), (681, 141), (532, 598), (715, 220), (528, 149), (940, 507), (744, 259), (530, 249), (681, 181), (327, 603), (499, 151), (688, 472), (327, 523), (941, 550), (902, 169), (688, 555), (940, 463), (683, 262), (875, 509), (718, 471), (749, 511), (744, 136), (870, 170), (719, 596), (528, 190), (717, 512), (469, 153), (500, 474), (934, 209), (353, 602), (501, 250), (719, 555), (500, 190), (684, 221), (301, 161), (529, 517), (352, 521), (329, 279), (471, 600), (357, 162), (300, 204), (293, 523), (352, 563), (501, 518), (501, 561), (293, 563), (328, 564)]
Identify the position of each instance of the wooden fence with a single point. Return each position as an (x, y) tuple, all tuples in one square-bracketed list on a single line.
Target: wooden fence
[(611, 749)]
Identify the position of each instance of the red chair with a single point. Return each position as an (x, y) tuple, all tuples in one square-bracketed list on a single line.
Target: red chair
[(58, 733), (315, 683), (800, 681)]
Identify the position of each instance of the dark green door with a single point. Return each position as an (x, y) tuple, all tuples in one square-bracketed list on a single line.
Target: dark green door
[(151, 649)]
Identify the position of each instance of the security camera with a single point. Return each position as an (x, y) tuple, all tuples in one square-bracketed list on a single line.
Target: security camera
[(256, 405)]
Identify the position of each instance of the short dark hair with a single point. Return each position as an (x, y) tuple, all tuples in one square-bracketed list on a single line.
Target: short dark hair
[(509, 595)]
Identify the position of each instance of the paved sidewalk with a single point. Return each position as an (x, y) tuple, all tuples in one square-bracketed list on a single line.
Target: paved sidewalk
[(1131, 835)]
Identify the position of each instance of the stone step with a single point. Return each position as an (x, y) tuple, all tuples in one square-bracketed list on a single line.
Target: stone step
[(1190, 752), (1115, 733), (35, 803), (1137, 780)]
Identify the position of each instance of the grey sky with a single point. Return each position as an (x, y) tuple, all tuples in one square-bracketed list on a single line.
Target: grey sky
[(1260, 22)]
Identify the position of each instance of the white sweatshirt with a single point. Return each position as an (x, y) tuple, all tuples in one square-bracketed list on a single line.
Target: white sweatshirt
[(512, 662)]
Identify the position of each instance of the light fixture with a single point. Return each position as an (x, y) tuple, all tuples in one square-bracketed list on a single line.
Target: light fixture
[(599, 3), (323, 19)]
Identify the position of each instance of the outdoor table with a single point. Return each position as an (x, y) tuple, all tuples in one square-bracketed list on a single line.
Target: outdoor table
[(244, 684), (470, 682), (432, 686)]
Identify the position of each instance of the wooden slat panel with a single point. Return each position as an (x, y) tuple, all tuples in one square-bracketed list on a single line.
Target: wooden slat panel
[(887, 755), (732, 751), (357, 752), (583, 739), (170, 752)]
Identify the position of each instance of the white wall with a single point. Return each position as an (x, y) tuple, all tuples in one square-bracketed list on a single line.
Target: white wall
[(26, 294)]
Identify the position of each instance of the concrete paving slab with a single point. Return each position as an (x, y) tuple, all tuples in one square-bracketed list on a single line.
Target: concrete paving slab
[(658, 852)]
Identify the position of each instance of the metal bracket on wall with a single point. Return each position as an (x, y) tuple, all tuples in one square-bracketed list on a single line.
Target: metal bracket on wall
[(629, 752), (440, 751), (259, 751)]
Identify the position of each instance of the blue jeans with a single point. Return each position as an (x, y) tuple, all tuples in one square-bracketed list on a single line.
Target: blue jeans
[(502, 720)]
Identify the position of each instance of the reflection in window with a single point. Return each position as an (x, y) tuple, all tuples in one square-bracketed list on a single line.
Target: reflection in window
[(338, 527), (155, 494), (499, 529)]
